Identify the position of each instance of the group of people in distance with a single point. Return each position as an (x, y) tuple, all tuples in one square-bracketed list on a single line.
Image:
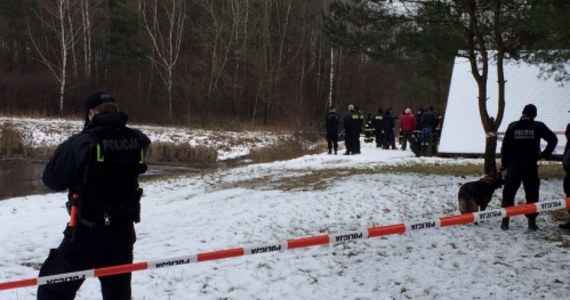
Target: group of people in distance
[(380, 127), (520, 150)]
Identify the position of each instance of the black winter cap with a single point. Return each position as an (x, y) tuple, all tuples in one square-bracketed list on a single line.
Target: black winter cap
[(97, 99), (529, 110), (94, 100)]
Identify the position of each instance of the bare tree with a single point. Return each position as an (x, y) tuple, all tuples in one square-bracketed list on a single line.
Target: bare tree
[(220, 29), (57, 20), (164, 22), (86, 37)]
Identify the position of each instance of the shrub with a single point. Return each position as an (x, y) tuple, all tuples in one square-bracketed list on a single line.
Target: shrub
[(171, 153), (11, 142), (282, 150)]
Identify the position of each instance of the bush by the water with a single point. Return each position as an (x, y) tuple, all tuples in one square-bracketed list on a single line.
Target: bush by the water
[(10, 142)]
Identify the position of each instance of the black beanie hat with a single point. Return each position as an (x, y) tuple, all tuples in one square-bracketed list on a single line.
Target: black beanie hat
[(94, 100), (97, 99), (530, 111)]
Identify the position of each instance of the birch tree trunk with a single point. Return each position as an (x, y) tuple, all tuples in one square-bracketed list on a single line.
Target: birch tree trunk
[(56, 19), (165, 26)]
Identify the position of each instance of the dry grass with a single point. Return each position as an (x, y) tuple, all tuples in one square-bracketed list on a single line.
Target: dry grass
[(285, 149), (11, 142), (182, 154)]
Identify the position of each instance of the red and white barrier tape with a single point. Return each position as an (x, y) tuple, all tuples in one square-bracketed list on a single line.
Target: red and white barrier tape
[(295, 243)]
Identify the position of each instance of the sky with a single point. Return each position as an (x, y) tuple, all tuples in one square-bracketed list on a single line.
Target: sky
[(312, 195)]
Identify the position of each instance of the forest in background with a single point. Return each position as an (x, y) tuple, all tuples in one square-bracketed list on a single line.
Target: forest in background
[(202, 62), (245, 63)]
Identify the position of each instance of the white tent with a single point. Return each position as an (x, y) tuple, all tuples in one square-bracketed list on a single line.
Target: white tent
[(462, 131)]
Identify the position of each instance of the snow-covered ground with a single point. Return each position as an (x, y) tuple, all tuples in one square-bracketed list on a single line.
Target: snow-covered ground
[(307, 196)]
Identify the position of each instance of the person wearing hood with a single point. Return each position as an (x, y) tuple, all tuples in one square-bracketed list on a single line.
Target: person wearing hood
[(520, 153), (427, 122)]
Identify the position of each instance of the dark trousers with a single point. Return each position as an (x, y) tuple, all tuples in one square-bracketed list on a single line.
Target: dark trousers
[(356, 142), (92, 248), (426, 139), (379, 137), (332, 141), (526, 173), (567, 185), (348, 142), (406, 136), (389, 140)]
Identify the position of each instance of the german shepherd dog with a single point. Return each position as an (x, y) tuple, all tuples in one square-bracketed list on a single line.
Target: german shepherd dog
[(474, 196)]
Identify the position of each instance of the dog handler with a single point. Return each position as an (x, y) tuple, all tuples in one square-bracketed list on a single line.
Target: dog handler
[(99, 167), (520, 153)]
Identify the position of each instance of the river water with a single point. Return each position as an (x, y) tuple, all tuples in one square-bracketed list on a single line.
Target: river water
[(22, 177)]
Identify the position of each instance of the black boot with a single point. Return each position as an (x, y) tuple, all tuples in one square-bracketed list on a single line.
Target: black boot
[(532, 224), (505, 224)]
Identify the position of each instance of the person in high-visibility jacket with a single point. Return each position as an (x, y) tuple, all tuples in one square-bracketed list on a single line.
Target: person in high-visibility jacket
[(379, 127), (369, 129)]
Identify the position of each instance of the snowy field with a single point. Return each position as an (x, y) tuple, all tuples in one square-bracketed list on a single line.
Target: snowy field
[(308, 196)]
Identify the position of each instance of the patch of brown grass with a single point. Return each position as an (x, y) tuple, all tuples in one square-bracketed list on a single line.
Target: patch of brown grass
[(11, 142), (283, 150), (170, 153)]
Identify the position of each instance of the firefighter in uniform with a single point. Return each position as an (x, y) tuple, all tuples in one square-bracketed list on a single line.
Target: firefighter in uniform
[(520, 153), (369, 129), (358, 124), (379, 127), (99, 167)]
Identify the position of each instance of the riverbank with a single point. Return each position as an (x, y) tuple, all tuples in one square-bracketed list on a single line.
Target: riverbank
[(37, 137)]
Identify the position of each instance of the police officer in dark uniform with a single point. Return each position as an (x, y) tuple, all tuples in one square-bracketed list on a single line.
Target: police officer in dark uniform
[(351, 131), (520, 153), (332, 120), (379, 127), (99, 167), (357, 125)]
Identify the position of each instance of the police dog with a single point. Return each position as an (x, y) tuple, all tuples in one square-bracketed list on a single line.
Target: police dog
[(474, 196)]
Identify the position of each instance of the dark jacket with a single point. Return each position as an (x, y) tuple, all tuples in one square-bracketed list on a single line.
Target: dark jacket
[(379, 121), (66, 167), (332, 120), (522, 142), (388, 121), (427, 119), (352, 123)]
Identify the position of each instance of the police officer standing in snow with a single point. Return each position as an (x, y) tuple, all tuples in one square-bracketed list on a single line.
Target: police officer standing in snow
[(379, 127), (99, 167), (520, 153), (332, 120)]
